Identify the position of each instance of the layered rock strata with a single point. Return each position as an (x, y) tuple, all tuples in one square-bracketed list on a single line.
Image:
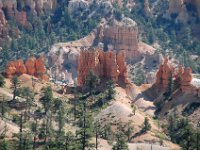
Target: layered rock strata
[(32, 66), (122, 36), (109, 65)]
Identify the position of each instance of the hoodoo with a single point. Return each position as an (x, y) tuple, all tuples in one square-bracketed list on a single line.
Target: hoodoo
[(33, 66), (110, 65)]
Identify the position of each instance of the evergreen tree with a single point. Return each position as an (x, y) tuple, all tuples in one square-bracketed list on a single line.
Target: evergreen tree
[(85, 133), (139, 77), (120, 143), (133, 108), (47, 98), (146, 125), (34, 130), (4, 106), (15, 86), (97, 130), (107, 131), (129, 130), (27, 94), (5, 145), (91, 81), (70, 142), (169, 91), (111, 91), (2, 81)]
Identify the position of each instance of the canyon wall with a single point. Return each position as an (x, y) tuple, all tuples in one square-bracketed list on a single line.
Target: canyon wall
[(106, 65), (32, 66)]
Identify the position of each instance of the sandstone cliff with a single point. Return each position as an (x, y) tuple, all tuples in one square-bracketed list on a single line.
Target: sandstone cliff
[(108, 65)]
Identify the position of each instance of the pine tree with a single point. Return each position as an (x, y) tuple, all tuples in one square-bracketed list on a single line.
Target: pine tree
[(34, 129), (85, 133), (129, 130), (111, 91), (27, 94), (4, 106), (146, 125), (47, 98), (97, 130), (2, 81), (120, 143), (70, 141), (15, 86), (133, 108), (91, 81)]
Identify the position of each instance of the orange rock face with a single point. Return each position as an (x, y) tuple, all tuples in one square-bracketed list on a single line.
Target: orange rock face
[(182, 78), (186, 79), (33, 66), (40, 68), (107, 65), (178, 77), (164, 73), (123, 73), (15, 67), (30, 65)]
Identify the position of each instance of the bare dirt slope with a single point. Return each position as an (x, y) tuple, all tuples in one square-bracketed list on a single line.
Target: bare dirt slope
[(120, 112), (8, 128), (137, 95)]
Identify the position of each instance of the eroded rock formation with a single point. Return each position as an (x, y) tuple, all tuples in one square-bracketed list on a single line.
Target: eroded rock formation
[(182, 78), (109, 65), (33, 66), (15, 68), (122, 36), (164, 73), (186, 79)]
